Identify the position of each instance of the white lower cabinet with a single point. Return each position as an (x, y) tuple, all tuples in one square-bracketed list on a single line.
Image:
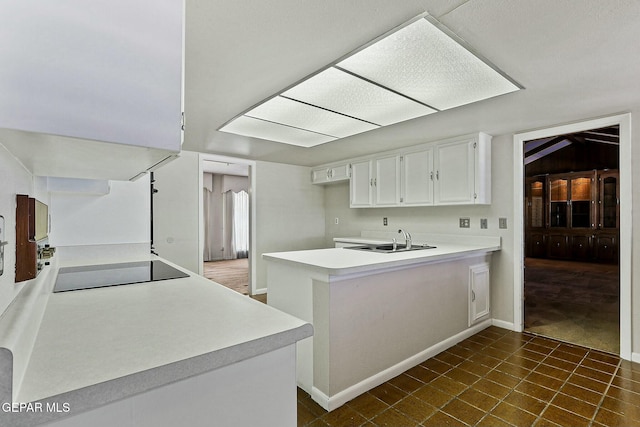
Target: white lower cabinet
[(479, 297)]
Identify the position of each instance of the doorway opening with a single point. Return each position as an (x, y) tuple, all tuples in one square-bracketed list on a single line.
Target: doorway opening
[(624, 243), (571, 235), (226, 224)]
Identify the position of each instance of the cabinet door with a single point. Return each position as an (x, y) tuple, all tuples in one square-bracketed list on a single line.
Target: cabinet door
[(105, 71), (478, 292), (361, 184), (558, 246), (319, 175), (454, 165), (535, 200), (339, 173), (606, 248), (536, 245), (558, 202), (581, 247), (417, 178), (609, 200), (386, 181)]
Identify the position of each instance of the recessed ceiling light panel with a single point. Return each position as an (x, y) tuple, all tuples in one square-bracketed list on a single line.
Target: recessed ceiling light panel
[(424, 63), (345, 93), (418, 69), (304, 116), (256, 128)]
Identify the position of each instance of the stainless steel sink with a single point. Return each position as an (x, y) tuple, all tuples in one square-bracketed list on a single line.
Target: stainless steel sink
[(388, 248)]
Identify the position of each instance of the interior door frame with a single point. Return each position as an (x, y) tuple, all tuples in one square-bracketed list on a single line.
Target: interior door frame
[(252, 212), (624, 121)]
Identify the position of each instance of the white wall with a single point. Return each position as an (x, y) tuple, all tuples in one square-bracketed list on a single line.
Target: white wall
[(176, 211), (122, 216), (14, 179), (290, 212)]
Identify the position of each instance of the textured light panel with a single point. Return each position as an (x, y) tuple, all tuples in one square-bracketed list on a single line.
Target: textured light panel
[(256, 128), (344, 93), (414, 71), (303, 116), (424, 63)]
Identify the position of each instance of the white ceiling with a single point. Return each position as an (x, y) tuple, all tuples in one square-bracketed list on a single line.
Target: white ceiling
[(576, 60)]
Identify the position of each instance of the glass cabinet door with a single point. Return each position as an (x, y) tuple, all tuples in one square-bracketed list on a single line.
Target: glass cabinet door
[(609, 200), (535, 192), (558, 202), (581, 202)]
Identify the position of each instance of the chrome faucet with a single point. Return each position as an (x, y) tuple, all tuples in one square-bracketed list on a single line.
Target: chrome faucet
[(407, 238)]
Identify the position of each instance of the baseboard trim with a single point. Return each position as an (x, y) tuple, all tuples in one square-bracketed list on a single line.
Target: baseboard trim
[(260, 291), (332, 402), (504, 325), (635, 357)]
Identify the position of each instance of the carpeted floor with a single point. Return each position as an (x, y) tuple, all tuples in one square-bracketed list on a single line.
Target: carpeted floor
[(574, 302)]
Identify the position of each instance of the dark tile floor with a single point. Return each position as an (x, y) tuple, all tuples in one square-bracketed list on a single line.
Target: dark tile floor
[(497, 378), (574, 302)]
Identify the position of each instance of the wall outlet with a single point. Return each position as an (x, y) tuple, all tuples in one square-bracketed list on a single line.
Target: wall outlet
[(336, 220), (483, 223), (384, 221), (502, 222), (465, 222)]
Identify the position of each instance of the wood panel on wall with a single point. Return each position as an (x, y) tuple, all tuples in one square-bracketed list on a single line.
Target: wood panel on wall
[(26, 246)]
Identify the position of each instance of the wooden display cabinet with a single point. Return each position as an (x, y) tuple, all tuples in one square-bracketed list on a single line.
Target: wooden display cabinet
[(573, 215)]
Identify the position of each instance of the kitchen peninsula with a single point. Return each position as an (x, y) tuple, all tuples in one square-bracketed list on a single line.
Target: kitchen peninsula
[(376, 315), (183, 350)]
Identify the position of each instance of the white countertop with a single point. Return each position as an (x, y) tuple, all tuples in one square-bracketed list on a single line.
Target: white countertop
[(99, 345), (343, 261)]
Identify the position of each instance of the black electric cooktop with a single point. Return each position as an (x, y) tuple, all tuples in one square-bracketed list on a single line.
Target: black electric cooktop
[(99, 276)]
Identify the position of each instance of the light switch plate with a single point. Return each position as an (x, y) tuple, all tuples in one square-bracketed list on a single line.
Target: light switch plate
[(483, 223), (502, 222)]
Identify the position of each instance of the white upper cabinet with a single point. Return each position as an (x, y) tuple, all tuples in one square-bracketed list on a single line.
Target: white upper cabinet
[(329, 174), (107, 71), (361, 184), (417, 178), (463, 171), (375, 182), (454, 167), (456, 171), (386, 181)]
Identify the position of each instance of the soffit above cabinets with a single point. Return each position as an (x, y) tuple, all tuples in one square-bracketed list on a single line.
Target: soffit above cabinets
[(417, 69), (64, 157)]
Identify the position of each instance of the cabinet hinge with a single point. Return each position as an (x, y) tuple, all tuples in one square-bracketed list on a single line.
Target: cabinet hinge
[(402, 158), (475, 144), (182, 121), (475, 195), (401, 200), (349, 170)]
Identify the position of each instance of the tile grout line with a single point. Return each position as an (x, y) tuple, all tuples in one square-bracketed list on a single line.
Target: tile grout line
[(604, 393)]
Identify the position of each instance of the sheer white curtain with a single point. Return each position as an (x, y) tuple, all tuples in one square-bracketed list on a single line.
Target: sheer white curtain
[(236, 225), (207, 200)]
